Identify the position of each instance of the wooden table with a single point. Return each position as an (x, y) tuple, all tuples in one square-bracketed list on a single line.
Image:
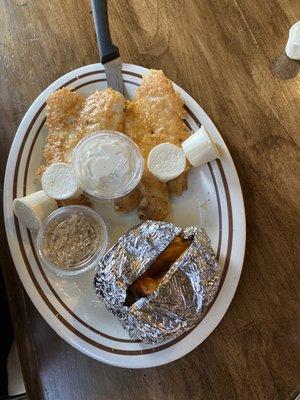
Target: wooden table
[(229, 55)]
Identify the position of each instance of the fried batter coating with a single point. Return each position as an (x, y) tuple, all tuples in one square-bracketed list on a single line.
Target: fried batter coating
[(178, 185), (128, 202), (63, 107), (103, 110), (155, 116), (82, 200), (154, 202), (150, 197), (70, 117)]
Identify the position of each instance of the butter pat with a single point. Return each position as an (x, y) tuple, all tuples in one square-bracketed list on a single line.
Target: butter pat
[(199, 148), (33, 209), (59, 182), (166, 161)]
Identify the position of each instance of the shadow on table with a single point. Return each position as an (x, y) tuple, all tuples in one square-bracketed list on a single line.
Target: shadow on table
[(285, 68)]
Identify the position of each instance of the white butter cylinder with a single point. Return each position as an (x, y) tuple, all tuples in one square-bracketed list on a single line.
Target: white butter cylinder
[(33, 209), (59, 182), (199, 149), (166, 161), (292, 48)]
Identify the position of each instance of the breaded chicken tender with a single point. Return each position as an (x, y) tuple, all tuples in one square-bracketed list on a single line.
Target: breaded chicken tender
[(154, 116), (62, 119), (70, 117)]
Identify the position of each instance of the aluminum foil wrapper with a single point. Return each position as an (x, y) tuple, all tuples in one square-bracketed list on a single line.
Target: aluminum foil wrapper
[(181, 297)]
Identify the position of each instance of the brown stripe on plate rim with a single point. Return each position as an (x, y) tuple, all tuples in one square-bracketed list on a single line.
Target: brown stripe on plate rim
[(229, 210), (22, 148), (100, 80), (132, 74), (219, 210), (79, 334)]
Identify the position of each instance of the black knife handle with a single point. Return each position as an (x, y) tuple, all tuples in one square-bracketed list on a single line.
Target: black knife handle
[(108, 51)]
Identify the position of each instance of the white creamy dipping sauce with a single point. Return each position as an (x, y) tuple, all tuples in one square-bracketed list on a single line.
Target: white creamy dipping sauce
[(108, 165)]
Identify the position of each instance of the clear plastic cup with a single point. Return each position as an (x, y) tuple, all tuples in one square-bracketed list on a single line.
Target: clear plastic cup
[(72, 240), (107, 164)]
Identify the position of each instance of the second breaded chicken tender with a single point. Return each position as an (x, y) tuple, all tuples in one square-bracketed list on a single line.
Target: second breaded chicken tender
[(154, 116), (70, 117)]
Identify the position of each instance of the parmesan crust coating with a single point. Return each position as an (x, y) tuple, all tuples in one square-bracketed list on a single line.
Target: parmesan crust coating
[(154, 116), (70, 117)]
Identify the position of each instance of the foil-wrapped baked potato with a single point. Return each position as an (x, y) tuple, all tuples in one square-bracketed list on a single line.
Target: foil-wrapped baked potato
[(158, 279)]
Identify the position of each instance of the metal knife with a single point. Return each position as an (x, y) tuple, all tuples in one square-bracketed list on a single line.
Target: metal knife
[(109, 53)]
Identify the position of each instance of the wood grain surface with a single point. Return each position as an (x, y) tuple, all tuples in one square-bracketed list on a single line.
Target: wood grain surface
[(229, 55)]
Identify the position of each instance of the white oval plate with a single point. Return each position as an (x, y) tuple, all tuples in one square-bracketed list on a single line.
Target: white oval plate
[(214, 200)]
